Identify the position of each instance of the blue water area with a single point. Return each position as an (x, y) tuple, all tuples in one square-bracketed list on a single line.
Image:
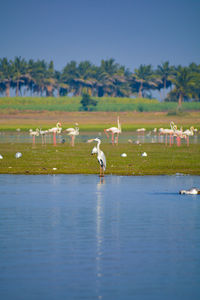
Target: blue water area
[(131, 136), (79, 237)]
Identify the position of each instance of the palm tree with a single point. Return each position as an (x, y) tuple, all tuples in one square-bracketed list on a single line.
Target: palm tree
[(6, 74), (145, 77), (164, 71), (184, 83), (50, 81), (19, 68), (67, 76), (38, 74), (108, 71)]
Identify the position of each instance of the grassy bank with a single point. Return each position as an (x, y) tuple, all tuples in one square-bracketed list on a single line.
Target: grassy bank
[(103, 104), (95, 121), (67, 160)]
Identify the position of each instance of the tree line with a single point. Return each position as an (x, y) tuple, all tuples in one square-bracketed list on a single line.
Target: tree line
[(39, 78)]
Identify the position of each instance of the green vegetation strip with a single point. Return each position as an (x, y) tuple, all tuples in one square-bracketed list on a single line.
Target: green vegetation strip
[(63, 159), (103, 104)]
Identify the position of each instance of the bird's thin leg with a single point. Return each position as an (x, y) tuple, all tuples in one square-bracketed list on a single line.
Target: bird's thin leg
[(106, 133), (33, 140), (54, 139), (188, 140), (113, 139), (103, 172), (72, 141), (100, 171), (117, 138)]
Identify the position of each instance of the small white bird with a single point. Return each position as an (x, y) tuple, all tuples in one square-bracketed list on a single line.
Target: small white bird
[(144, 154), (123, 155), (192, 191), (18, 154), (1, 157)]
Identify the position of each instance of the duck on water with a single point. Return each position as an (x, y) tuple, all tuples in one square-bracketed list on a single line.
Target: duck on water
[(192, 191)]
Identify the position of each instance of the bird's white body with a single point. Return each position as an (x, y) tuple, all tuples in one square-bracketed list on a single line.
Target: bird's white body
[(144, 154), (1, 157), (73, 131), (18, 155), (34, 133), (141, 130), (43, 132), (123, 155), (189, 132), (193, 191), (94, 150), (56, 129)]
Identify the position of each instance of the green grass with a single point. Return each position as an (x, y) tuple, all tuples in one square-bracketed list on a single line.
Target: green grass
[(104, 104), (41, 159)]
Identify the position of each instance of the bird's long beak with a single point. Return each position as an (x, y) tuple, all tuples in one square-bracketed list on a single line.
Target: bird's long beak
[(90, 141)]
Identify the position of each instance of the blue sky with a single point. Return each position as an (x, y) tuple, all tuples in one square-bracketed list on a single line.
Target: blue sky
[(133, 32)]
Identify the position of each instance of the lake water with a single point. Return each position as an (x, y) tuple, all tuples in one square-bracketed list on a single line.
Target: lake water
[(76, 237)]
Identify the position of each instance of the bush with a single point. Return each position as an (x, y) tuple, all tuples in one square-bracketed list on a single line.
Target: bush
[(87, 102)]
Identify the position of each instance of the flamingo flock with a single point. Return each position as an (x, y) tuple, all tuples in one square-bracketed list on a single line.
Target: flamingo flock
[(169, 133)]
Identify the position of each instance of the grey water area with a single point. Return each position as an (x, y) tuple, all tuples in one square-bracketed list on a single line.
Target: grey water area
[(84, 237), (127, 136)]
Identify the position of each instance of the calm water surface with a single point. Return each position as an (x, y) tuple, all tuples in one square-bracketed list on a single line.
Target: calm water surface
[(148, 137), (74, 237)]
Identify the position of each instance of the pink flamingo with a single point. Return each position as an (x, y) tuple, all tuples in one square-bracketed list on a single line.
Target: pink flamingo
[(34, 134), (55, 130), (167, 132), (179, 135), (43, 134), (73, 132), (188, 133), (114, 130)]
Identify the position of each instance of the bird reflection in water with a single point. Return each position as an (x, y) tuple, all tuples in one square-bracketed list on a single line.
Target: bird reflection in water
[(99, 233)]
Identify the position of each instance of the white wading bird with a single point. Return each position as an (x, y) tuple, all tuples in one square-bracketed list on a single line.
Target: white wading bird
[(114, 130), (73, 132), (100, 156)]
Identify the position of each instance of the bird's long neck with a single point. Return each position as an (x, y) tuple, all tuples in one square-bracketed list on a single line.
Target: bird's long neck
[(118, 124), (98, 146)]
